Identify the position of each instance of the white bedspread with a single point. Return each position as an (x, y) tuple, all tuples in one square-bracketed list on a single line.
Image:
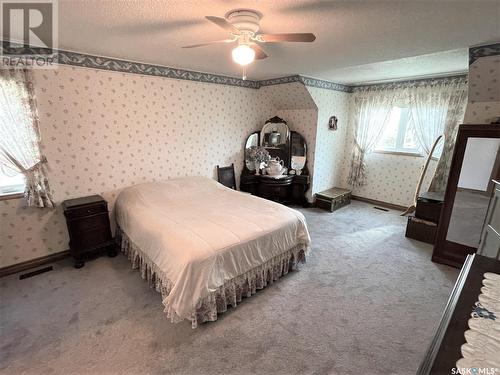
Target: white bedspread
[(201, 234)]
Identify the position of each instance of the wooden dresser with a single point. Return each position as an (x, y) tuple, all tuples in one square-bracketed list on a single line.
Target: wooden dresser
[(288, 190), (89, 230)]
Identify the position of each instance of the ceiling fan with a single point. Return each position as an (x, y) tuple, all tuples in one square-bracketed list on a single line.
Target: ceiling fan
[(243, 25)]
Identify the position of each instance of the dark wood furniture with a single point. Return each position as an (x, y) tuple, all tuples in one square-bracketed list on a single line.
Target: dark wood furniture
[(226, 176), (421, 230), (87, 219), (332, 199), (429, 205), (289, 147), (444, 350), (288, 190), (490, 238), (446, 251), (423, 225)]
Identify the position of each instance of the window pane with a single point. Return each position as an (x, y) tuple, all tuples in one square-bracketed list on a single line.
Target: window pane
[(410, 139), (11, 184), (390, 135)]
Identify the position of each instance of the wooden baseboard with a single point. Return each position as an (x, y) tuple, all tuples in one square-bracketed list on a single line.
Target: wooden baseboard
[(23, 266), (380, 203)]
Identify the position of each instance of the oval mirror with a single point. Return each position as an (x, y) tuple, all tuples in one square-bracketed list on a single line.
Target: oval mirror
[(298, 151), (252, 141), (274, 133)]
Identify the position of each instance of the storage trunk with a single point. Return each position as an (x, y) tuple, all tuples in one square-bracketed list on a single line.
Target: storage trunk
[(421, 230), (429, 206), (333, 199)]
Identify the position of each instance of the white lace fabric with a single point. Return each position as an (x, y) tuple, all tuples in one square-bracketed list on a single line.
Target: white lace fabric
[(197, 236), (228, 295), (482, 347)]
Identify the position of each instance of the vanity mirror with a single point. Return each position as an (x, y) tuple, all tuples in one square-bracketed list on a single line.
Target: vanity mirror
[(474, 167), (275, 133), (275, 138), (252, 141), (285, 178), (298, 153)]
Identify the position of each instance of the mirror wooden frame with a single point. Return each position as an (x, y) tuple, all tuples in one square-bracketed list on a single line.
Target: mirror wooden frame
[(449, 252)]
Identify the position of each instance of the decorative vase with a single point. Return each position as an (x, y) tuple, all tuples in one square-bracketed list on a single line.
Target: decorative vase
[(257, 167)]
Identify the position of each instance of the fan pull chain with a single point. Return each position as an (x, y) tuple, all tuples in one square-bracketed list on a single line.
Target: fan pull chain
[(244, 77)]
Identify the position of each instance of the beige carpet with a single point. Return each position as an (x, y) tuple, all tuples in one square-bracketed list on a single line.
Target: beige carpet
[(367, 302)]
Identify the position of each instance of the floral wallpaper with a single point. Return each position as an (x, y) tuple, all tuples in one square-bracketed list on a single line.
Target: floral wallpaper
[(390, 178), (289, 96), (307, 110), (304, 121), (104, 130), (329, 151), (295, 105), (393, 178), (484, 90)]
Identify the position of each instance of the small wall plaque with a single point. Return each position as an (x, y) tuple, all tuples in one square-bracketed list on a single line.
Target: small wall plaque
[(332, 123)]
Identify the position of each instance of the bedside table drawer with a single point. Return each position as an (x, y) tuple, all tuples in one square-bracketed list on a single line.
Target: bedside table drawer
[(86, 211), (89, 232)]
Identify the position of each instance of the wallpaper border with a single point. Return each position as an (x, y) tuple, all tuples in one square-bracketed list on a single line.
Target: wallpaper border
[(483, 51), (418, 81), (125, 66), (307, 81), (327, 85), (279, 80), (133, 67)]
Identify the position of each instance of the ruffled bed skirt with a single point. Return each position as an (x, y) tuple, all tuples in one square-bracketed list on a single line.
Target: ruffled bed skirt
[(218, 301)]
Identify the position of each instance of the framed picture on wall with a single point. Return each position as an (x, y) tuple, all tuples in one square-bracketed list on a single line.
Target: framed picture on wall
[(332, 123)]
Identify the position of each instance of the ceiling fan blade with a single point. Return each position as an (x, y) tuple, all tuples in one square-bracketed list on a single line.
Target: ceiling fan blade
[(287, 37), (222, 22), (259, 52), (210, 43)]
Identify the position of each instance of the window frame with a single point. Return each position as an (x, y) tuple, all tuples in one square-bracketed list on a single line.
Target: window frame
[(399, 149)]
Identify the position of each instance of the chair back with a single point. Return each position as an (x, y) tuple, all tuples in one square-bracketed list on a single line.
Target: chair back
[(226, 176)]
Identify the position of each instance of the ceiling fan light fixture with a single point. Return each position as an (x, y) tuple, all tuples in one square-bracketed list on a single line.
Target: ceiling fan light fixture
[(243, 55)]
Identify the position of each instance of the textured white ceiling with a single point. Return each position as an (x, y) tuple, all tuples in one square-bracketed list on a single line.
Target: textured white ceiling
[(356, 40)]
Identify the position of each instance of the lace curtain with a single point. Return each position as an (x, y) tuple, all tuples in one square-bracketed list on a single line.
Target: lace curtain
[(428, 111), (455, 112), (372, 110), (436, 107), (20, 136)]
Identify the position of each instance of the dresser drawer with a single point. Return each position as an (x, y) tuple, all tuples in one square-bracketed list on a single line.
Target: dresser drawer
[(82, 211), (89, 232)]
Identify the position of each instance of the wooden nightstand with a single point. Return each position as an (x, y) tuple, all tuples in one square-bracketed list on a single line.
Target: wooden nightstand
[(88, 226)]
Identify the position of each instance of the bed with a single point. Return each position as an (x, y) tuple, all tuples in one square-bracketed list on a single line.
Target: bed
[(204, 246)]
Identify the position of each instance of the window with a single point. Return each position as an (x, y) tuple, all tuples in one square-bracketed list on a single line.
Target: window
[(11, 184), (13, 133), (399, 135), (20, 155)]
